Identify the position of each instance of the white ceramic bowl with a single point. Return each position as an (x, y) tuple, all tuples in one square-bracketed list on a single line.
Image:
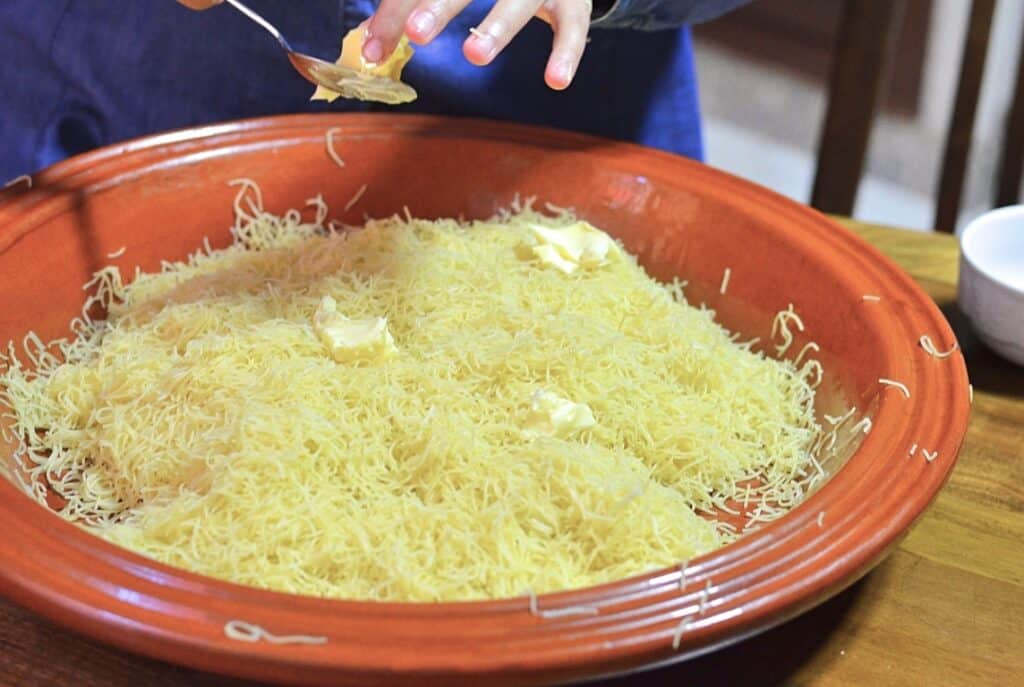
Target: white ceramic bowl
[(991, 291)]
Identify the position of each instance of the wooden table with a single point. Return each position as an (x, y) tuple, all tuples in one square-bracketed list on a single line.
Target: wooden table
[(944, 609)]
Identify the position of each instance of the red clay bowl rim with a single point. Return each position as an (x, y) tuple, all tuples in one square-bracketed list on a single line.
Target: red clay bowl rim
[(119, 597)]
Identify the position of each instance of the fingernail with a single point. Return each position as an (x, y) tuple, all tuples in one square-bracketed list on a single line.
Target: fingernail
[(424, 22), (484, 43), (373, 50)]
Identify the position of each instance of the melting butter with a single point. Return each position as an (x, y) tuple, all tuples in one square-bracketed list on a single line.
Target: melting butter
[(554, 416), (352, 340), (569, 248)]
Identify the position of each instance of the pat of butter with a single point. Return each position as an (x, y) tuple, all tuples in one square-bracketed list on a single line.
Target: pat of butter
[(351, 340), (352, 57), (554, 416), (570, 247)]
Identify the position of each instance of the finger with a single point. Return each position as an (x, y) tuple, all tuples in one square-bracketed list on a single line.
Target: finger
[(385, 29), (546, 12), (503, 22), (199, 4), (430, 17), (570, 21)]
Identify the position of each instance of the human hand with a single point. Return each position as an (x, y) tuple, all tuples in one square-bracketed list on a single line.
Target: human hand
[(423, 20), (199, 4)]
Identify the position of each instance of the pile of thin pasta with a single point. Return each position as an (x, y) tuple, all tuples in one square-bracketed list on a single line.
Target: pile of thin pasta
[(526, 427)]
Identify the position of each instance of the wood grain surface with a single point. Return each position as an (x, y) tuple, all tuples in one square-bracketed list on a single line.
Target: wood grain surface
[(943, 609)]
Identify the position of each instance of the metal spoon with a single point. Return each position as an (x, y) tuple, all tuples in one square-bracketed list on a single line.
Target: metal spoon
[(342, 80)]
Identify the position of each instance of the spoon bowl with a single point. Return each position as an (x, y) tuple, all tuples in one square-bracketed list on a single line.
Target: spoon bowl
[(337, 78)]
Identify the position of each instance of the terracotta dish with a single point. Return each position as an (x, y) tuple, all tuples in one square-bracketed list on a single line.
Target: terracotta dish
[(159, 196)]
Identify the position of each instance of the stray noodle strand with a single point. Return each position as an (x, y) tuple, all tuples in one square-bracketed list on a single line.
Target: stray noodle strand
[(355, 199), (704, 597), (929, 347), (247, 632), (331, 152), (810, 345), (23, 179), (568, 611), (321, 209), (836, 420), (893, 383), (681, 628), (780, 325), (247, 185)]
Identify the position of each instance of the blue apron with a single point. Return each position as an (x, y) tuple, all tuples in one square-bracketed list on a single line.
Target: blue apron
[(78, 74)]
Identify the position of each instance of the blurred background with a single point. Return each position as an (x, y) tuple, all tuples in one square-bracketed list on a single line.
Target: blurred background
[(765, 74)]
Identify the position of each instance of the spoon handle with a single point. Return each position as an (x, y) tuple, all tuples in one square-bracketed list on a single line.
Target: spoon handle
[(271, 29)]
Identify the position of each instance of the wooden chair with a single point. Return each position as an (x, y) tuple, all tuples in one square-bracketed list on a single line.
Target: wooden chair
[(1011, 163), (865, 41)]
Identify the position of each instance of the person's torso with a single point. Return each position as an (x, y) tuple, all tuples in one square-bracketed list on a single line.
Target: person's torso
[(78, 74)]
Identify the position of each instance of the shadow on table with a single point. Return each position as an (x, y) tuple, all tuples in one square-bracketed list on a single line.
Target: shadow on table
[(767, 660), (988, 372)]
